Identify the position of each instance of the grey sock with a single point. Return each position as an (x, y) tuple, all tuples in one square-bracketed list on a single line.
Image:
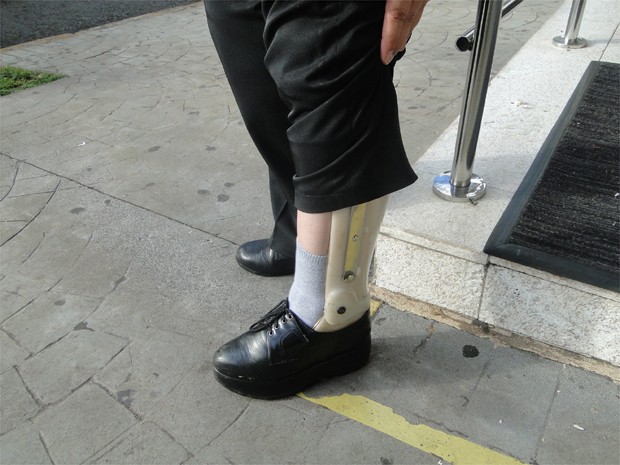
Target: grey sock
[(307, 295)]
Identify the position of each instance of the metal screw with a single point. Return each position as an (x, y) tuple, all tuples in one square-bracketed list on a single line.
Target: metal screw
[(341, 310), (349, 275)]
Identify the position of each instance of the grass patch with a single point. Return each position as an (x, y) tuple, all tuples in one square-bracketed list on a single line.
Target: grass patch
[(12, 79)]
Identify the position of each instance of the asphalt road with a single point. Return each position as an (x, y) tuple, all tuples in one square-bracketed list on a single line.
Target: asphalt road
[(26, 20)]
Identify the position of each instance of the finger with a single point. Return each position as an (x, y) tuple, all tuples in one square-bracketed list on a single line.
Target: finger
[(395, 29), (401, 17)]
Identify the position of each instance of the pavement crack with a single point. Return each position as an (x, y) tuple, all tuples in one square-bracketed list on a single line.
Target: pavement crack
[(46, 447), (69, 268), (38, 401), (55, 284), (16, 312), (609, 42), (30, 120), (429, 332), (35, 216), (485, 275), (120, 280), (98, 54), (34, 250), (77, 115), (103, 451), (160, 98), (112, 112), (13, 181), (280, 404), (229, 425), (175, 440), (12, 336), (116, 438), (114, 396), (101, 299), (539, 442), (116, 355), (191, 369), (183, 54), (130, 374), (49, 345), (482, 372)]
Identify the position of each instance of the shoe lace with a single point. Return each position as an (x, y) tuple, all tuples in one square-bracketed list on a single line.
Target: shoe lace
[(276, 317)]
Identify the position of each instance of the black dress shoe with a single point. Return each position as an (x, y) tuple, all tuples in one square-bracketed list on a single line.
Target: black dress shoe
[(256, 257), (279, 356)]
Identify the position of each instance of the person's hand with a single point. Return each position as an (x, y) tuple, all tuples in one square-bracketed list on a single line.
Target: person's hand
[(401, 17)]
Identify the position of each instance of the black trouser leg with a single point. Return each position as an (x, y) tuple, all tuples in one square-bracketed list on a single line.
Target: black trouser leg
[(237, 31), (284, 233)]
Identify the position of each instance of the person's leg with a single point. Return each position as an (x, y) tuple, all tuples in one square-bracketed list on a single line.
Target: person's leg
[(284, 234), (330, 290), (307, 295), (348, 155), (237, 30), (274, 256)]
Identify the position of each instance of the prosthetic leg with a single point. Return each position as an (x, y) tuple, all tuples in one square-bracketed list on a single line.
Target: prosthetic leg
[(353, 236), (289, 349)]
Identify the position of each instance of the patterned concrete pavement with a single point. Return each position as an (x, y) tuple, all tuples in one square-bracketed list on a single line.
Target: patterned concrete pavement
[(126, 187)]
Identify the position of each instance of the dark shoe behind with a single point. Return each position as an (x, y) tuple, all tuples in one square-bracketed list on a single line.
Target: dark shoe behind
[(258, 258)]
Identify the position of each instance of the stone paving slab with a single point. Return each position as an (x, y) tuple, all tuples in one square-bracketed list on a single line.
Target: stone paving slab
[(12, 354), (17, 403), (578, 429), (23, 445), (506, 408), (66, 365), (48, 318), (145, 443), (82, 424), (145, 372)]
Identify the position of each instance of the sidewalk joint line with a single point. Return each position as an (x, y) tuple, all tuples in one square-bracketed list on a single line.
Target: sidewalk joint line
[(118, 199)]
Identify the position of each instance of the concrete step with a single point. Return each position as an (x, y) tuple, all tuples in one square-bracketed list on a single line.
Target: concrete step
[(430, 257)]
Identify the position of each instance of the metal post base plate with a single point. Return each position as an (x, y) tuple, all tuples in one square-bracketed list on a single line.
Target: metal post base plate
[(471, 193), (561, 42)]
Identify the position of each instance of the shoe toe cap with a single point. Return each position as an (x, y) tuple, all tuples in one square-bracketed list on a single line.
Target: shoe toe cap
[(237, 358)]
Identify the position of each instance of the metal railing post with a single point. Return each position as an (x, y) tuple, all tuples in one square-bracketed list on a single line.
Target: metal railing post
[(570, 38), (461, 184)]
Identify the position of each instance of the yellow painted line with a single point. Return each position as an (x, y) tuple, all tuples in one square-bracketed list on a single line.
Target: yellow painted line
[(374, 306), (453, 449)]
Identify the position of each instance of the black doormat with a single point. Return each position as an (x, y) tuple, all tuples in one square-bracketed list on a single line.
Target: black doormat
[(565, 216)]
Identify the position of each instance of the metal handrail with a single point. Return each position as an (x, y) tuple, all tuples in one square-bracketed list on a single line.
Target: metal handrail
[(461, 184), (465, 42)]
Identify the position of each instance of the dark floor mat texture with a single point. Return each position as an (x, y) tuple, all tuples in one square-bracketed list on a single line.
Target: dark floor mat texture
[(565, 216)]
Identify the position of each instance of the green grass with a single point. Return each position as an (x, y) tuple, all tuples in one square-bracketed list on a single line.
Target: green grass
[(12, 79)]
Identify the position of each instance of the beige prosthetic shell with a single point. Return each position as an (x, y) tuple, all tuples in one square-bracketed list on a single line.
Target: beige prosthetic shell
[(353, 236)]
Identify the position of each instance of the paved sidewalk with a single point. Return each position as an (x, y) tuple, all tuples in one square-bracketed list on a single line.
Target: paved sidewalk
[(125, 189)]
